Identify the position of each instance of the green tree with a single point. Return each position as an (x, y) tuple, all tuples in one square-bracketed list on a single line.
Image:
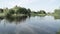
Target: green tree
[(11, 11), (1, 10), (22, 11), (57, 11), (29, 11), (42, 12)]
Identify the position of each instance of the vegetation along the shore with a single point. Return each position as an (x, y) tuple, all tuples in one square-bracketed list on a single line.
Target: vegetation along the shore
[(21, 11)]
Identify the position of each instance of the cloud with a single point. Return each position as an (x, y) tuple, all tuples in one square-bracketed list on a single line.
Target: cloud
[(52, 0), (20, 2), (32, 4)]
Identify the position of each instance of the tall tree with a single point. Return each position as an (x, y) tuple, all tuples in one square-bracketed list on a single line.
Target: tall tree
[(42, 12)]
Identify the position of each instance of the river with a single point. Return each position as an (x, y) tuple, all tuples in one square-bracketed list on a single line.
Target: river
[(30, 25)]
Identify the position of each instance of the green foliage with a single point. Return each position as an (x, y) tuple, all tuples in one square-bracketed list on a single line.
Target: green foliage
[(1, 10), (39, 13), (35, 12), (58, 32), (22, 11), (11, 11), (29, 11), (42, 12), (8, 15), (57, 11), (6, 11)]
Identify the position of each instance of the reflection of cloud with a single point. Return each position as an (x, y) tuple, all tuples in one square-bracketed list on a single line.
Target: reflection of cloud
[(24, 29)]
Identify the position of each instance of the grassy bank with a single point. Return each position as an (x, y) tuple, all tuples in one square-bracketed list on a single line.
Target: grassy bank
[(2, 15), (15, 15), (38, 14), (58, 32)]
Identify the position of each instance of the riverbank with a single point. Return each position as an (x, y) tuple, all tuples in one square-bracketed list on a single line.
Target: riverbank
[(19, 15), (16, 15), (2, 15), (38, 14), (58, 32)]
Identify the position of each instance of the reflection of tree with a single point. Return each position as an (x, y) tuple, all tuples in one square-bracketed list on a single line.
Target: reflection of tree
[(56, 17), (42, 15), (58, 32), (16, 19), (1, 18)]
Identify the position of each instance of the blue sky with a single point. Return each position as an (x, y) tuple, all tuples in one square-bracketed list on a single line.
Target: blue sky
[(47, 5)]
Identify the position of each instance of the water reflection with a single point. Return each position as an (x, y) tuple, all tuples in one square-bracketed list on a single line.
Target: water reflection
[(39, 15), (32, 25), (56, 17), (1, 18), (18, 19), (15, 20), (42, 15)]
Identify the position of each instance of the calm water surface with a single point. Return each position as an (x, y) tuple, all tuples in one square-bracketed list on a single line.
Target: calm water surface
[(30, 25)]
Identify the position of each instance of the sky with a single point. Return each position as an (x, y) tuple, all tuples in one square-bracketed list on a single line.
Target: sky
[(34, 5)]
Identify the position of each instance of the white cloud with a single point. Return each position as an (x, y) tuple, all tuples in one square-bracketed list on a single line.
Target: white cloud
[(21, 2), (52, 0), (33, 4)]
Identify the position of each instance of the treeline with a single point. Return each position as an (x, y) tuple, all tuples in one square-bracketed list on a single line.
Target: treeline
[(23, 11), (39, 12), (15, 11), (19, 10), (57, 11)]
